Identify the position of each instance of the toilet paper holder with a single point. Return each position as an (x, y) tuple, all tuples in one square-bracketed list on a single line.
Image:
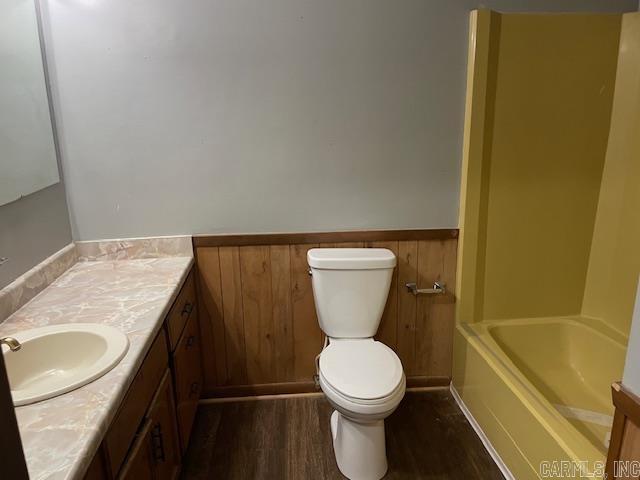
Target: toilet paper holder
[(437, 289)]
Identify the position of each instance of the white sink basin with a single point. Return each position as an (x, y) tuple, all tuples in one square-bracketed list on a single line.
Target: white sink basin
[(60, 358)]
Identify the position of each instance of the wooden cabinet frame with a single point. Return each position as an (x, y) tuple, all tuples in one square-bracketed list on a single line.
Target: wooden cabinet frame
[(625, 434)]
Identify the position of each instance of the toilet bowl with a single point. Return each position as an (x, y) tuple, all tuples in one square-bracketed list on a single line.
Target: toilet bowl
[(361, 378)]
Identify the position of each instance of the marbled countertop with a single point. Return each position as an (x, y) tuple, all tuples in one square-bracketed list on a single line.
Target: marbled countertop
[(61, 435)]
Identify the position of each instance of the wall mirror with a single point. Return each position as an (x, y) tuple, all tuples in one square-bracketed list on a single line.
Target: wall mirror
[(28, 161)]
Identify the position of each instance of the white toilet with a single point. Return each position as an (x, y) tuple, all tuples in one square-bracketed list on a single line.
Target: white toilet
[(362, 378)]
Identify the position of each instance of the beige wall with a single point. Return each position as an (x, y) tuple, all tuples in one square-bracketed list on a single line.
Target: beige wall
[(615, 256)]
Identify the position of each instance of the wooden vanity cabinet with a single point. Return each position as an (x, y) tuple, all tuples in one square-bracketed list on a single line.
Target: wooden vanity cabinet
[(156, 451), (181, 311), (139, 464), (187, 372), (165, 441), (98, 469), (150, 432), (624, 448), (124, 427)]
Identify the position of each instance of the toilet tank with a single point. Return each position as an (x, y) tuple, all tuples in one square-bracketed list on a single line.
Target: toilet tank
[(350, 288)]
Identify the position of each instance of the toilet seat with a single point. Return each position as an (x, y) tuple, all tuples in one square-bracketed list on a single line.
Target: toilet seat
[(361, 377), (362, 370)]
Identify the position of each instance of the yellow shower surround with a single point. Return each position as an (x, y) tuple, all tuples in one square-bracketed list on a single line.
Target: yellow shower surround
[(549, 230)]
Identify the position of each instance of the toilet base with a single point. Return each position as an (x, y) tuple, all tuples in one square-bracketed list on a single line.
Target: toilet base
[(359, 448)]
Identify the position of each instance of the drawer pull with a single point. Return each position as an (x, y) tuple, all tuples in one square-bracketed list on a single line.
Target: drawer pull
[(187, 309), (191, 339), (157, 443), (195, 386)]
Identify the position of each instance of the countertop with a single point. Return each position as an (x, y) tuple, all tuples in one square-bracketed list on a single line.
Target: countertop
[(61, 435)]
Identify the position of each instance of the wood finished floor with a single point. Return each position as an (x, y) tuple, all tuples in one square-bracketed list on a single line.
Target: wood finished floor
[(428, 437)]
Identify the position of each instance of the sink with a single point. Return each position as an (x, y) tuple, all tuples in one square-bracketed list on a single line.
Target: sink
[(57, 359)]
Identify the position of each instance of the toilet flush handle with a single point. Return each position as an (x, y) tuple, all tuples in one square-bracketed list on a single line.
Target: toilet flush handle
[(437, 289)]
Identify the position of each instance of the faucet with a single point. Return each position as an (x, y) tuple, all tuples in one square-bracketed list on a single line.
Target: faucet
[(13, 344)]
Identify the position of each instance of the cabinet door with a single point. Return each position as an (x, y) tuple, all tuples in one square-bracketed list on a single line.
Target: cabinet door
[(98, 468), (139, 463), (181, 311), (130, 416), (165, 446), (187, 369)]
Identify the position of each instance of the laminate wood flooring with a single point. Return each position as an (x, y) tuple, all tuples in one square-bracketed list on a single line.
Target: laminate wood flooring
[(428, 437)]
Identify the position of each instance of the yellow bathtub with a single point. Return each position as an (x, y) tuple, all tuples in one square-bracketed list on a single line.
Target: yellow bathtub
[(539, 388)]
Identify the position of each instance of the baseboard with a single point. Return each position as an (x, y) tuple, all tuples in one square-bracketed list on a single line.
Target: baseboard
[(255, 398), (260, 389), (485, 440), (424, 382), (288, 388)]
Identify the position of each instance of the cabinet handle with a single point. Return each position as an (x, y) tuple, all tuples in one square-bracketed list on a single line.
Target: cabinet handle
[(195, 386), (187, 309), (191, 339), (157, 443)]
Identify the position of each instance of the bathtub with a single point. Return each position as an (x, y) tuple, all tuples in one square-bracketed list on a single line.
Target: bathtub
[(540, 388)]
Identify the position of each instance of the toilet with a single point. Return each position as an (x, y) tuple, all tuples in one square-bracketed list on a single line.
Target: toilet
[(361, 377)]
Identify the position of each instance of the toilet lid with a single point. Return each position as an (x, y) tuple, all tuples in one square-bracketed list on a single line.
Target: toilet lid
[(361, 369)]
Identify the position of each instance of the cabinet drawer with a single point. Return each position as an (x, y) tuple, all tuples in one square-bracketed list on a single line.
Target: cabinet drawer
[(131, 413), (188, 377), (181, 311)]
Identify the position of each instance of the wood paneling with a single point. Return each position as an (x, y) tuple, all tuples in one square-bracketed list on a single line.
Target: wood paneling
[(282, 315), (388, 329), (258, 320), (407, 305), (436, 262), (212, 328), (233, 315), (255, 271), (307, 336)]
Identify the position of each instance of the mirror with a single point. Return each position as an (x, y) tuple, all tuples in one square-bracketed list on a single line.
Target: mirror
[(28, 161)]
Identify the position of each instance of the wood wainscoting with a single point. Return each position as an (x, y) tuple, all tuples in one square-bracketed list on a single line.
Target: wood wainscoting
[(260, 334), (623, 459)]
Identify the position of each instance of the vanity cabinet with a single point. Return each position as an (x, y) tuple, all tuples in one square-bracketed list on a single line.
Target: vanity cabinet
[(155, 453), (151, 429), (187, 371), (124, 427), (181, 311), (140, 463)]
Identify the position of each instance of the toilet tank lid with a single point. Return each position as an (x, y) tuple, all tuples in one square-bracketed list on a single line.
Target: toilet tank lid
[(351, 258)]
